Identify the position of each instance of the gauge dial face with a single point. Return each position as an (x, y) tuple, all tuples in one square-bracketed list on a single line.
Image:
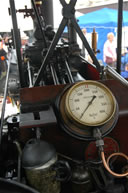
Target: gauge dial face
[(90, 103)]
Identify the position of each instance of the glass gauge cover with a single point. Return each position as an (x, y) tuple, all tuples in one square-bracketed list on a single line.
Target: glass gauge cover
[(90, 103)]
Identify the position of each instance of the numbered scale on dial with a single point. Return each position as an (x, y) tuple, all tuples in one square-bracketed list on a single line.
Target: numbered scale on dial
[(85, 106)]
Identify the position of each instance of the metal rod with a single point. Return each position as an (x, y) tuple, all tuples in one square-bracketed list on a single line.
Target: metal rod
[(39, 22), (71, 80), (4, 99), (17, 41), (119, 39), (54, 75)]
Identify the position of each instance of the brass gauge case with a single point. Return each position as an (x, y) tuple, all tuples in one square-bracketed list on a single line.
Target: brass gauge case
[(76, 123)]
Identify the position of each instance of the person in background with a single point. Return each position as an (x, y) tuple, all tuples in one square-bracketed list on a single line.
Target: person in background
[(109, 50), (124, 59), (24, 42), (3, 57), (6, 41), (14, 66)]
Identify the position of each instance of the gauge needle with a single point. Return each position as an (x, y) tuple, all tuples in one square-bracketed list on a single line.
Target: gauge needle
[(89, 103)]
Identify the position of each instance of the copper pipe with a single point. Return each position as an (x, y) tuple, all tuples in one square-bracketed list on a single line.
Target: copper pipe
[(106, 164)]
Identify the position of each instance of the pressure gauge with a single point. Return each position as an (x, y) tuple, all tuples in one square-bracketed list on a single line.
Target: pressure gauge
[(87, 105), (90, 103)]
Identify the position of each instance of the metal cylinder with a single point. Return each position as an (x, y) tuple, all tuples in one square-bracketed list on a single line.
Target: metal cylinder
[(81, 181)]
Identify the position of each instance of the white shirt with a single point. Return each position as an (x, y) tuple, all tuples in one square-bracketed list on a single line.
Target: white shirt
[(109, 49)]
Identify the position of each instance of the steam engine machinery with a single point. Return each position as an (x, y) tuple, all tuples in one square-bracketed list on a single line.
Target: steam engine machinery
[(70, 134)]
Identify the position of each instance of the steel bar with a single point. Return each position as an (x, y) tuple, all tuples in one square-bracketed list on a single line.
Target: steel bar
[(4, 99), (29, 74), (111, 72)]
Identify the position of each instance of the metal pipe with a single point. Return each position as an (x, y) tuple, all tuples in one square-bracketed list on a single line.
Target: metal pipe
[(39, 22), (17, 41), (119, 39), (19, 160), (108, 70), (47, 11)]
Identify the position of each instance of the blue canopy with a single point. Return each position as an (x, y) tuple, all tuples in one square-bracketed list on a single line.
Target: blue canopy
[(103, 17)]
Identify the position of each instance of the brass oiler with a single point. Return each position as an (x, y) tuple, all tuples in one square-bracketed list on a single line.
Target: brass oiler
[(94, 41)]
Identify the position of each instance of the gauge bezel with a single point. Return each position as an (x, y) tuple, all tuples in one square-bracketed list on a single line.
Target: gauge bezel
[(71, 116)]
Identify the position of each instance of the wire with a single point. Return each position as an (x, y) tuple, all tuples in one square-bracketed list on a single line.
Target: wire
[(106, 164)]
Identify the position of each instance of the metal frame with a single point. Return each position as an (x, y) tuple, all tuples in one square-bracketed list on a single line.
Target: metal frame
[(68, 14)]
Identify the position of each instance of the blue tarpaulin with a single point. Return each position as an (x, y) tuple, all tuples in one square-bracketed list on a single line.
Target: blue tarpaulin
[(105, 17), (104, 21)]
